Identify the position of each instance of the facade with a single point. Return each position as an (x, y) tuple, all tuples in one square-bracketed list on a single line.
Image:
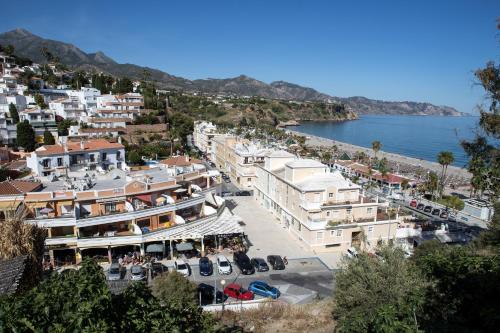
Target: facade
[(86, 96), (97, 154), (238, 157), (128, 101), (109, 214), (40, 120), (477, 208), (69, 108), (203, 134), (321, 208)]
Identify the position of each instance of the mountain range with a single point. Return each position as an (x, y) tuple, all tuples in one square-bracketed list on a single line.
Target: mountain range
[(28, 45)]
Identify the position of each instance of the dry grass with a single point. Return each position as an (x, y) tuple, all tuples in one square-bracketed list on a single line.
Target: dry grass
[(273, 317)]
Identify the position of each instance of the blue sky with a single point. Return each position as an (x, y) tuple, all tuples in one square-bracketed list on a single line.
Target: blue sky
[(391, 50)]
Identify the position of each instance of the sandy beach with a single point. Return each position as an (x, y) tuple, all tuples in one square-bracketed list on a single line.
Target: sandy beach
[(406, 165)]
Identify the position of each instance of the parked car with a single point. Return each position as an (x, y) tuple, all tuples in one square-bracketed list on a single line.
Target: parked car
[(234, 290), (114, 272), (452, 217), (243, 262), (263, 289), (227, 193), (243, 193), (352, 252), (206, 267), (227, 180), (223, 265), (181, 267), (436, 211), (259, 264), (427, 209), (137, 273), (158, 268), (206, 294), (420, 206), (276, 262), (444, 214), (413, 203)]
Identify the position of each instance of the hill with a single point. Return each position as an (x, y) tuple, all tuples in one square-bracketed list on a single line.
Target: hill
[(29, 45)]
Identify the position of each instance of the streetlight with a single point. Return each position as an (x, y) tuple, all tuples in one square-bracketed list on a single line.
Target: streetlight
[(223, 282)]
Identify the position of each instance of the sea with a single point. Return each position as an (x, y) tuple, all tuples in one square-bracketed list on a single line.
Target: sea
[(421, 137)]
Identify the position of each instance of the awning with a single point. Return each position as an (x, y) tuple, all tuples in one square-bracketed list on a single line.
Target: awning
[(144, 197), (184, 246), (170, 200), (36, 204), (9, 205), (179, 220), (207, 210), (196, 188), (65, 203), (154, 248)]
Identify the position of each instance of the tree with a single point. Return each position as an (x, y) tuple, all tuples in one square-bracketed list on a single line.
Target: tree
[(63, 126), (26, 136), (484, 150), (444, 158), (326, 156), (379, 295), (174, 288), (376, 146), (48, 138), (134, 158), (40, 101), (9, 50), (13, 113)]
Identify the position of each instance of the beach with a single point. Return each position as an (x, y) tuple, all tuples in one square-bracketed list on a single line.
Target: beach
[(399, 163)]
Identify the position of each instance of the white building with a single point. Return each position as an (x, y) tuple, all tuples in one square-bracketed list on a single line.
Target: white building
[(203, 134), (86, 96), (98, 154), (69, 108)]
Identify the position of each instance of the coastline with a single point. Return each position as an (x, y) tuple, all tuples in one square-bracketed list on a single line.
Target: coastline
[(406, 163)]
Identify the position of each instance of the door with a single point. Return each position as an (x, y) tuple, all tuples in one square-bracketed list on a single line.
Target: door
[(356, 239)]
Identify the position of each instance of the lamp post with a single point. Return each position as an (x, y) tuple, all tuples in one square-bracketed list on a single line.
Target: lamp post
[(222, 283)]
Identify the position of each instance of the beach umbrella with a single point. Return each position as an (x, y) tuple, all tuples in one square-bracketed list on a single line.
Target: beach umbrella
[(46, 210)]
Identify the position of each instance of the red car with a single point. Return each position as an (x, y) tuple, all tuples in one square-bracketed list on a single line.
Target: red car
[(413, 203), (234, 290)]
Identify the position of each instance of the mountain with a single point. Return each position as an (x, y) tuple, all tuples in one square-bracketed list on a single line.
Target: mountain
[(29, 45)]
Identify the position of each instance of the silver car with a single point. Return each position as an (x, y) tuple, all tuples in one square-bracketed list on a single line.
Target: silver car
[(137, 273), (114, 272)]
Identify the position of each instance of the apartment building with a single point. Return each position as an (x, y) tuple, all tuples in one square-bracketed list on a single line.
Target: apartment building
[(40, 120), (238, 157), (321, 208), (8, 130), (128, 101), (86, 96), (69, 108), (203, 134), (89, 213), (58, 159)]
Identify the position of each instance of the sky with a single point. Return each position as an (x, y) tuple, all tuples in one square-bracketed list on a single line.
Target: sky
[(423, 51)]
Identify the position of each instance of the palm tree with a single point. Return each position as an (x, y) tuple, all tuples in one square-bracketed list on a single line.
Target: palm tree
[(444, 158), (376, 145)]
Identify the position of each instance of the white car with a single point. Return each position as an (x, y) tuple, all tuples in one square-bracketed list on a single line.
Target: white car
[(137, 273), (181, 267), (352, 252), (223, 265)]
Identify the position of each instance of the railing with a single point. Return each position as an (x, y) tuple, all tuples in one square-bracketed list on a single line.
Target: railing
[(60, 221), (109, 240), (60, 240)]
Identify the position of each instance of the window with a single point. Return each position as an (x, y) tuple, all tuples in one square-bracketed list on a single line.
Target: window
[(339, 233), (349, 211), (104, 156), (330, 195), (370, 229), (328, 213), (299, 226), (59, 161), (118, 155), (92, 158), (249, 179), (46, 163), (319, 235), (164, 219), (110, 207), (369, 210)]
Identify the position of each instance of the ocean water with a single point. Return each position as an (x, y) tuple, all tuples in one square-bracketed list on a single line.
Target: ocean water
[(420, 137)]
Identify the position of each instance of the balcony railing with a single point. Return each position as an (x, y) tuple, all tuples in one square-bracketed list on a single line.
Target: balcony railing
[(60, 240), (48, 222)]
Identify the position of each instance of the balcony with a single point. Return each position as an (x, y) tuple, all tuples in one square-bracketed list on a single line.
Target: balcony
[(61, 240), (146, 212), (109, 240), (49, 222)]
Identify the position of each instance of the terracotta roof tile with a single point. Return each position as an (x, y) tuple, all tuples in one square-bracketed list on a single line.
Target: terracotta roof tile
[(180, 161), (90, 145), (9, 187)]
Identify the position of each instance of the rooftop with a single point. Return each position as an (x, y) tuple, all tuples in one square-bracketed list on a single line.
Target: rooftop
[(305, 163), (279, 153), (10, 187), (73, 147), (319, 182), (11, 273), (180, 161)]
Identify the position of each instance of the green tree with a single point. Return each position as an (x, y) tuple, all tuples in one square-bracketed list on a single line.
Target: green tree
[(13, 113), (26, 136), (484, 150), (376, 146), (444, 158), (48, 138), (134, 158), (40, 101), (63, 126), (379, 295), (174, 288)]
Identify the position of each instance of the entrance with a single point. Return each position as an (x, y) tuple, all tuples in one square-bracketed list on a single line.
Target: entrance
[(356, 239)]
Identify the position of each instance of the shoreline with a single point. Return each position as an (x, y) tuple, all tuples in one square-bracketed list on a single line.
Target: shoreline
[(405, 163)]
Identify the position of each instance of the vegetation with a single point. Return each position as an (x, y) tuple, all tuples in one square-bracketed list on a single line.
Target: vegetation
[(444, 158), (80, 301), (451, 201), (123, 86), (376, 146), (174, 288), (373, 295), (484, 150), (26, 136), (40, 101), (13, 113), (63, 126), (48, 138)]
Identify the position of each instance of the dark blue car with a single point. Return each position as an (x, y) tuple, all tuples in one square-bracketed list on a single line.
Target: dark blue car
[(263, 289), (206, 267)]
